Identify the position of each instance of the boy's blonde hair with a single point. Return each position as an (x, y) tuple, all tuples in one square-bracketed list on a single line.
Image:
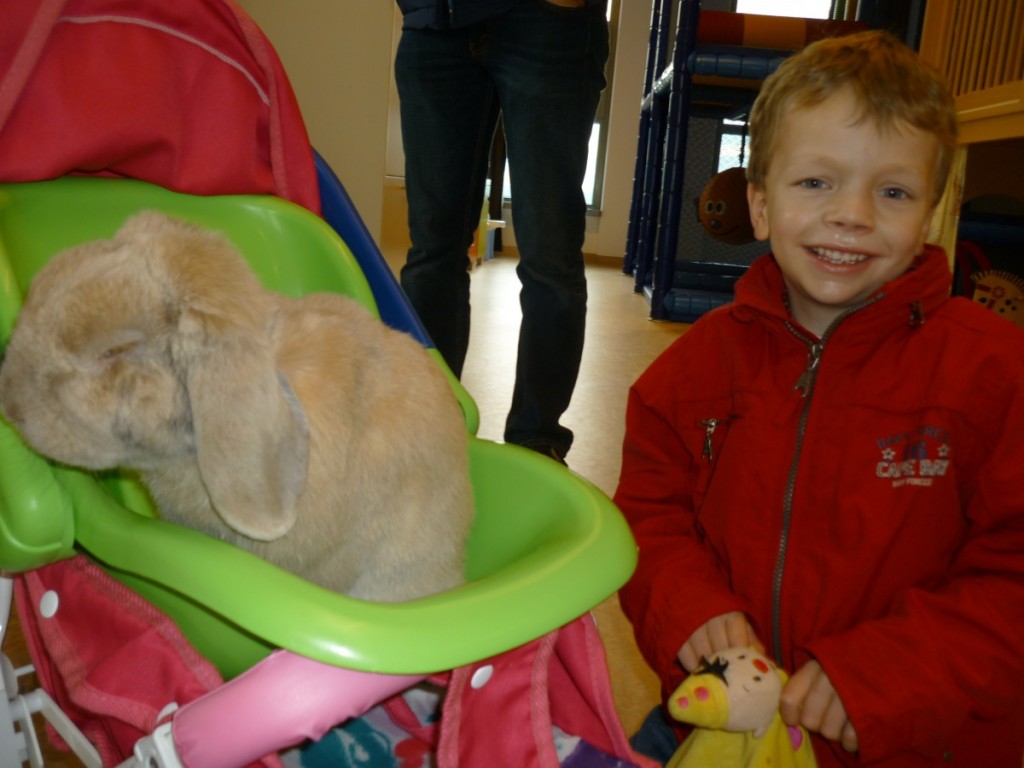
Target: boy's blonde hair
[(889, 81)]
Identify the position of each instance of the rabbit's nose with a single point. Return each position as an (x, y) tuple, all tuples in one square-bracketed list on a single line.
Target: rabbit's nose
[(10, 411), (8, 408)]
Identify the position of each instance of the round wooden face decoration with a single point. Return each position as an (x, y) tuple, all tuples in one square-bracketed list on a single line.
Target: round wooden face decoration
[(723, 210)]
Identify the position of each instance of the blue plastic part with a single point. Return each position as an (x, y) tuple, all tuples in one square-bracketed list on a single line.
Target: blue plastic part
[(338, 211), (393, 305)]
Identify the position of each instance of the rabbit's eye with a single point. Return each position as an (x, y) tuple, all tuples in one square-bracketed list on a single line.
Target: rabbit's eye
[(119, 351)]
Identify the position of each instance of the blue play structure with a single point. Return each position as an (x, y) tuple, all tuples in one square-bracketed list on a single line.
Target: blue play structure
[(337, 209), (703, 67)]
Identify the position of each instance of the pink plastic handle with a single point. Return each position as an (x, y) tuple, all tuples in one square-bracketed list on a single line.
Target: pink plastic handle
[(280, 702)]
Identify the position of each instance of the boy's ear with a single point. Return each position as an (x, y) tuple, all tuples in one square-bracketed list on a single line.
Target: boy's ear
[(758, 204)]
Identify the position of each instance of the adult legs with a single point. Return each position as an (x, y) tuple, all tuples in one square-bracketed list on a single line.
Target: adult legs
[(448, 111), (547, 63)]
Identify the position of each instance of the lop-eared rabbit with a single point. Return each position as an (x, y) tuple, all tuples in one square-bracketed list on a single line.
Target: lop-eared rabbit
[(303, 430)]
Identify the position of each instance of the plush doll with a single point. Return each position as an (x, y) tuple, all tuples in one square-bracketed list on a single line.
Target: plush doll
[(733, 702), (722, 208)]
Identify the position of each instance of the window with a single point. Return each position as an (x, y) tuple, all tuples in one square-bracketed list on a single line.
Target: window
[(732, 145), (804, 9), (593, 182)]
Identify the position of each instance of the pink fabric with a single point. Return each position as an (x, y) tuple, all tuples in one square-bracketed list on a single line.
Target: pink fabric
[(187, 95), (109, 658), (505, 721), (113, 684), (402, 715), (276, 704)]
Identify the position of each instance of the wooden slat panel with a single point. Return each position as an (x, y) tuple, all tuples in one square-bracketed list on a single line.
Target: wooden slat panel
[(955, 62), (1015, 35), (991, 39), (985, 44), (937, 34), (979, 46), (975, 51), (995, 71)]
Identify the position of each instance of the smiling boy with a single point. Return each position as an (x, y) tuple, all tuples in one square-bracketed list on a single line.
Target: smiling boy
[(830, 467), (849, 206)]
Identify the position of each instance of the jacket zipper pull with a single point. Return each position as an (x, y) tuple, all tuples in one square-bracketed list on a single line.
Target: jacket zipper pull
[(709, 429), (813, 358)]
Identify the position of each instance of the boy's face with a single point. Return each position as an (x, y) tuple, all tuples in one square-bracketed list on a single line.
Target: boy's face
[(846, 207)]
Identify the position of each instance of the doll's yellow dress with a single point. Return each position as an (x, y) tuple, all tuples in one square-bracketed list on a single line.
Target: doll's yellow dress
[(733, 702)]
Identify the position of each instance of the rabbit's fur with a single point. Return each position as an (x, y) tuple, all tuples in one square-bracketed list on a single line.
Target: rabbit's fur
[(303, 430)]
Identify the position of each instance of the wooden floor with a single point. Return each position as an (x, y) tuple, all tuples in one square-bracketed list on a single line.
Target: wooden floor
[(620, 343)]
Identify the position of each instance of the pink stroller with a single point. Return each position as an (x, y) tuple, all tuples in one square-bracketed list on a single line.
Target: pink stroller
[(97, 88)]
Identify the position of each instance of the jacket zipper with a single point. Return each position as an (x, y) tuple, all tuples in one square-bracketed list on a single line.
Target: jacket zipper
[(805, 383), (710, 425)]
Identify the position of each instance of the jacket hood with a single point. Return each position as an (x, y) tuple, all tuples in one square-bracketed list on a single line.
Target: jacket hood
[(909, 299)]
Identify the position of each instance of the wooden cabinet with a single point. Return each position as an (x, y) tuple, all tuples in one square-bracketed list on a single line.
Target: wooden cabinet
[(979, 45)]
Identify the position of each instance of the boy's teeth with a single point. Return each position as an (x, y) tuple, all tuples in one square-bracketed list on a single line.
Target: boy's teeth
[(838, 257)]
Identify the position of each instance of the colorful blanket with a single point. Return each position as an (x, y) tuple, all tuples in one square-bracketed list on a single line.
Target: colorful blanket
[(375, 741)]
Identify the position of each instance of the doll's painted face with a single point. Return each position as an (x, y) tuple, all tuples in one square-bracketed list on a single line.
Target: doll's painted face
[(845, 204), (736, 690)]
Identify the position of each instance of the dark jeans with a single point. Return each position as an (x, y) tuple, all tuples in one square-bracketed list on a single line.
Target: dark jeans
[(542, 67)]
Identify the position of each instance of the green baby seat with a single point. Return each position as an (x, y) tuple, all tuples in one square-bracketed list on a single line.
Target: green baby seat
[(546, 545)]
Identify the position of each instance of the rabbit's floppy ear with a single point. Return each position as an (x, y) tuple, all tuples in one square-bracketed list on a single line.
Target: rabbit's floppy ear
[(250, 431), (251, 435)]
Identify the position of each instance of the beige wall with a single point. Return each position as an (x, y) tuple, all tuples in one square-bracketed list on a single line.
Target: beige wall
[(632, 34), (339, 54)]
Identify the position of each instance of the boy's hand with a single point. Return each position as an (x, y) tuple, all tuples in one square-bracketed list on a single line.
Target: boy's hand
[(810, 700), (730, 630)]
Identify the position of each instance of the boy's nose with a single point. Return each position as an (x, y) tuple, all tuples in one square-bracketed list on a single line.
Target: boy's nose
[(852, 209)]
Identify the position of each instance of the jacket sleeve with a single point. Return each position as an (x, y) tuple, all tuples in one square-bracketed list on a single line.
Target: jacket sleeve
[(951, 651), (677, 585)]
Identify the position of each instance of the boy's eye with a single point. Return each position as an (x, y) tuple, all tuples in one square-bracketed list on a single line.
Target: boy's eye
[(813, 184), (895, 193)]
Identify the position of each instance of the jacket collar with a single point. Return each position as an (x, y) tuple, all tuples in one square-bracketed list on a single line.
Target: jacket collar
[(908, 301)]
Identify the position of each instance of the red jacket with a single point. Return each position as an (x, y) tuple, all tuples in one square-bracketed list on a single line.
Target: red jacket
[(873, 519)]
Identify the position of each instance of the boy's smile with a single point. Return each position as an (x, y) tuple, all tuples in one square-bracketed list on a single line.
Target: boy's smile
[(846, 204)]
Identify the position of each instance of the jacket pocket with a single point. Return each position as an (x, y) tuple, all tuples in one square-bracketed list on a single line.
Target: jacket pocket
[(707, 441)]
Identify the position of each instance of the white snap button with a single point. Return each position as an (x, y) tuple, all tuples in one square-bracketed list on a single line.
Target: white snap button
[(48, 604), (482, 676)]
